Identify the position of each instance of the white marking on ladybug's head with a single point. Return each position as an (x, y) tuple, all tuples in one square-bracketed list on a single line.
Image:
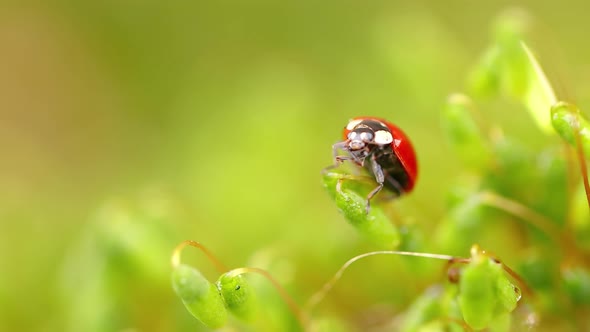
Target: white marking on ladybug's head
[(358, 139), (353, 123), (383, 137), (366, 136)]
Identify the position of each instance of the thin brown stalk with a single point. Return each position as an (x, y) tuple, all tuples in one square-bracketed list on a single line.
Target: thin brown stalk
[(581, 158), (320, 294), (293, 306), (528, 215), (178, 250)]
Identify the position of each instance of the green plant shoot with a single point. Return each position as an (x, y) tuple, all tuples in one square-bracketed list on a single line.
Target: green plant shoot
[(576, 281), (566, 120), (484, 291), (200, 297), (509, 67), (463, 134), (375, 225), (238, 295)]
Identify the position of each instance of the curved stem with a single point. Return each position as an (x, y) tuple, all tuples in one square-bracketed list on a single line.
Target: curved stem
[(563, 239), (571, 179), (293, 306), (530, 216), (175, 260), (475, 250), (319, 295), (581, 158), (459, 322), (523, 285)]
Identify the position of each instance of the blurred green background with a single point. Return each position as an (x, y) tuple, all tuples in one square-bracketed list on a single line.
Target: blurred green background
[(211, 121)]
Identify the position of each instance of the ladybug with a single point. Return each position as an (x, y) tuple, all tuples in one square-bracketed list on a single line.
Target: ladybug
[(383, 149)]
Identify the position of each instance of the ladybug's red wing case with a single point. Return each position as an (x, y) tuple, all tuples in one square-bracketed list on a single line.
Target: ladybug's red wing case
[(404, 151)]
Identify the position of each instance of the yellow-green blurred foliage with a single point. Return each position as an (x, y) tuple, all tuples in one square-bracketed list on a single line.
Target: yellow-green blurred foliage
[(128, 126)]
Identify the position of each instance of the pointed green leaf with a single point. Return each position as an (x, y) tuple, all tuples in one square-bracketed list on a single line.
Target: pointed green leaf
[(539, 97)]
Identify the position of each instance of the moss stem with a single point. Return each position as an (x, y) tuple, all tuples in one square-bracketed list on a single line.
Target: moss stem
[(175, 260), (293, 306), (320, 294)]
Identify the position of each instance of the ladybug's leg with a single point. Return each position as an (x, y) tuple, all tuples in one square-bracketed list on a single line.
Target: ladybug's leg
[(395, 183), (337, 158), (335, 148), (379, 177)]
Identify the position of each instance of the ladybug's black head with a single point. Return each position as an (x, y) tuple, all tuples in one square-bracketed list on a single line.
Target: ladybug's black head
[(365, 133)]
